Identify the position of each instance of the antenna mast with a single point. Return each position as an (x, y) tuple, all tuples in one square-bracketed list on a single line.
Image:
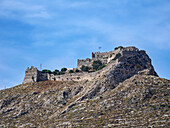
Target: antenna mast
[(40, 67)]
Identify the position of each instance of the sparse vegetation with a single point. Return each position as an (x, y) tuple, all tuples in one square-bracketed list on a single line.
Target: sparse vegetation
[(56, 72), (96, 64), (101, 67), (106, 110), (119, 47), (118, 96), (46, 71), (77, 70), (117, 56), (63, 69), (100, 97), (61, 72), (85, 68), (71, 71)]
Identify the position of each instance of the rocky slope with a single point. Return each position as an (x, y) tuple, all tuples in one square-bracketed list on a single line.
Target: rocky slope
[(140, 101), (128, 93)]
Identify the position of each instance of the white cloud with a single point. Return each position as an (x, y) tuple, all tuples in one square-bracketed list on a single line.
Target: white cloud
[(13, 5), (20, 10), (43, 44), (79, 27), (42, 14), (71, 4)]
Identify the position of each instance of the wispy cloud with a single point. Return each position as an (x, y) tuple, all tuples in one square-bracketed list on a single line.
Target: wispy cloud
[(18, 9), (58, 32), (66, 4), (43, 44), (42, 14)]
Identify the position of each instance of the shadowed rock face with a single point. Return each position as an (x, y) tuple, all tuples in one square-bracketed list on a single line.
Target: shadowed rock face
[(126, 93), (129, 64)]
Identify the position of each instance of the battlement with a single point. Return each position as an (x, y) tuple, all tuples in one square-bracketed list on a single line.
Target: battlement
[(104, 57), (138, 59), (32, 74), (131, 49), (86, 62)]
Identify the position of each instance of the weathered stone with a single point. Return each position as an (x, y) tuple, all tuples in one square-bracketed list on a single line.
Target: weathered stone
[(122, 62), (126, 93)]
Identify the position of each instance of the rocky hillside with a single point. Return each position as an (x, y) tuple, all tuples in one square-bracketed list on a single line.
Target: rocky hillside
[(128, 93)]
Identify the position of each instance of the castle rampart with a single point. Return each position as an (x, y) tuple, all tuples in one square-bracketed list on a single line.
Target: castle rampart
[(86, 62), (104, 57), (34, 75), (111, 58)]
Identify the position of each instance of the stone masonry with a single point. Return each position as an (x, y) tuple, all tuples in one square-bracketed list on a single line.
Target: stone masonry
[(122, 62), (34, 75), (104, 57)]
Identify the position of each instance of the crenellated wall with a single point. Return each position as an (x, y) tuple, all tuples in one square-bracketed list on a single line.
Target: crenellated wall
[(86, 62), (31, 75), (130, 61), (34, 75), (104, 57)]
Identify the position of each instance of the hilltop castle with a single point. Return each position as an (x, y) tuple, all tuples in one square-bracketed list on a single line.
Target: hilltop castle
[(117, 56)]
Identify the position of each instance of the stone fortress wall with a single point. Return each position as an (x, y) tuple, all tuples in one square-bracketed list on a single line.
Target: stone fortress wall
[(104, 57), (34, 75), (73, 76)]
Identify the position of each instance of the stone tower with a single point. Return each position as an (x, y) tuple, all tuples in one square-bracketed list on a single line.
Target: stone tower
[(34, 75), (92, 55)]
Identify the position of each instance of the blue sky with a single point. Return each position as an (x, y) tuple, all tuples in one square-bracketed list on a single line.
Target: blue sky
[(56, 33)]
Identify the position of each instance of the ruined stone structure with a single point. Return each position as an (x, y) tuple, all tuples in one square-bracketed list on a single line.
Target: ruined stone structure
[(34, 75), (122, 62), (104, 57)]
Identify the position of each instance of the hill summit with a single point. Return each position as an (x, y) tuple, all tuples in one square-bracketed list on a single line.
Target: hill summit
[(123, 62), (119, 88)]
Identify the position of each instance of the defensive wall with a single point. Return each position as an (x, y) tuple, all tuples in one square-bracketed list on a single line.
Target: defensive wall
[(34, 75), (104, 57)]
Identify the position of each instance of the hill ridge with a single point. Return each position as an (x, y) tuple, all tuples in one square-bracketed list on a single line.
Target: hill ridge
[(127, 93)]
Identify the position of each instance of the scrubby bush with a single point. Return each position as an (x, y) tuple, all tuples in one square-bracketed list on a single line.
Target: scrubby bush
[(96, 64), (77, 70), (117, 56), (100, 97), (119, 47), (168, 105), (85, 68), (102, 66), (46, 71), (63, 69), (61, 73), (54, 79), (71, 71), (56, 72)]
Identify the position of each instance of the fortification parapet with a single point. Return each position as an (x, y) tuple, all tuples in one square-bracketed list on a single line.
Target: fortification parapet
[(131, 49), (32, 74), (86, 62), (123, 62), (104, 57)]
